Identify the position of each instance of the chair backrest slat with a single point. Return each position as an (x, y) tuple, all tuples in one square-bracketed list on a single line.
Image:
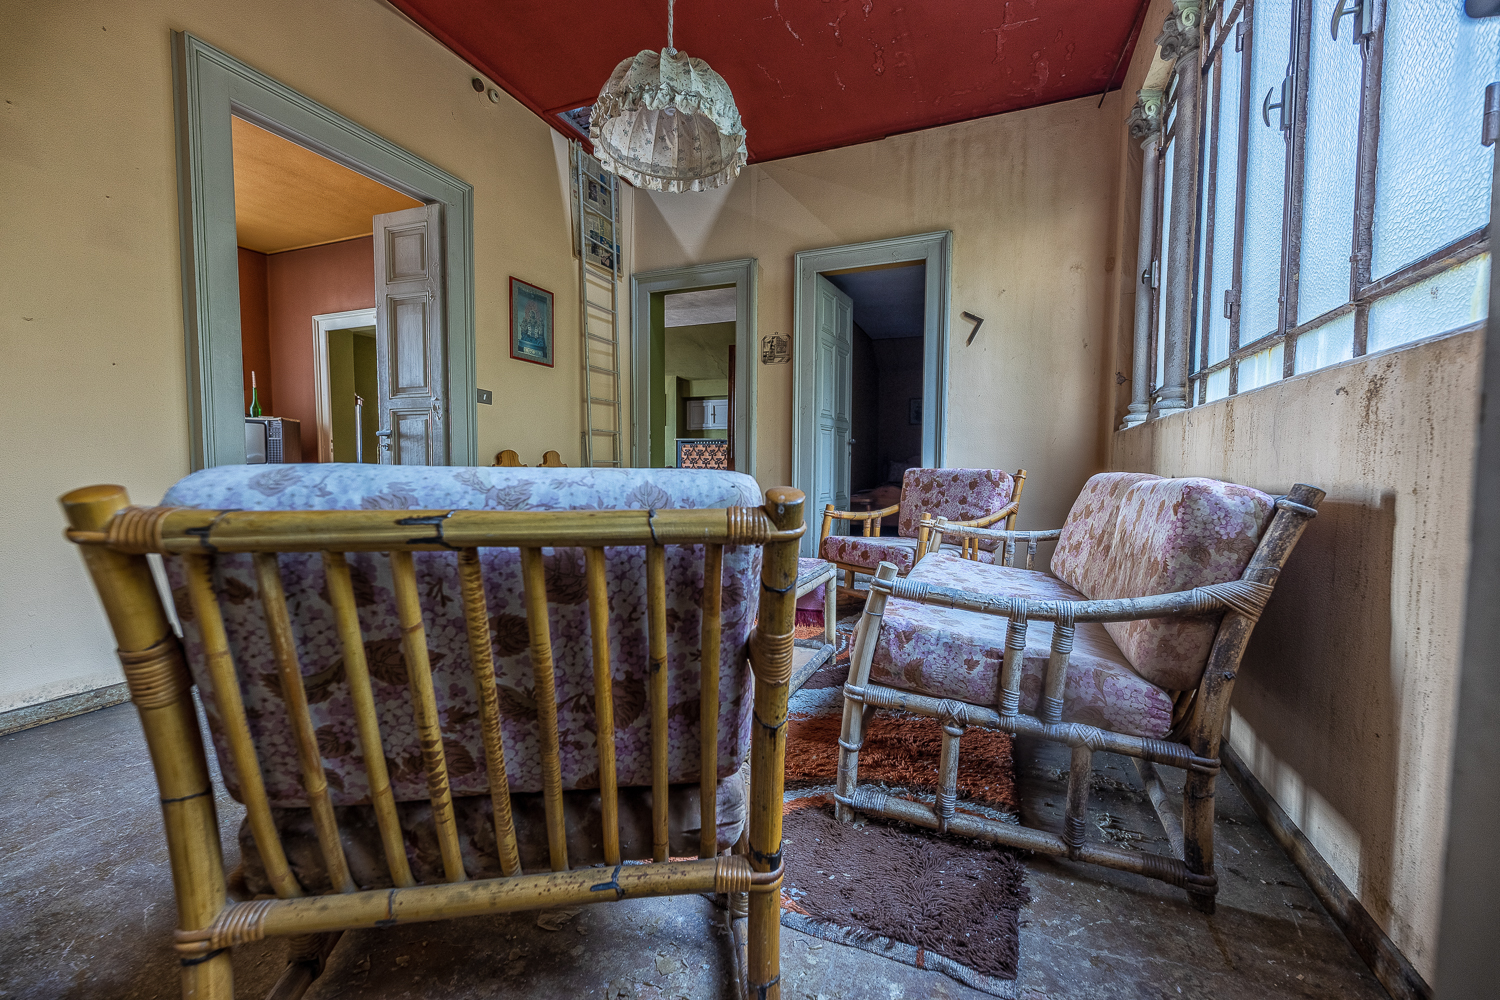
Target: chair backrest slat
[(289, 671), (534, 578), (220, 663), (482, 659), (656, 693), (604, 704), (708, 709), (357, 674), (424, 709)]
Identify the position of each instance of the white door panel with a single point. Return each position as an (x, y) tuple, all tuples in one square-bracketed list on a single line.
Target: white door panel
[(409, 337), (835, 345)]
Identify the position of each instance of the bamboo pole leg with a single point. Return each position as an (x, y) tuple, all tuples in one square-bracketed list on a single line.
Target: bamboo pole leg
[(1198, 833), (159, 684), (856, 714), (604, 704), (947, 794), (771, 661), (831, 611), (1080, 774)]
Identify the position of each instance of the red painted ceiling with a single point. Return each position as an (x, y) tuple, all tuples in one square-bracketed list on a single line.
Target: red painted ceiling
[(807, 74)]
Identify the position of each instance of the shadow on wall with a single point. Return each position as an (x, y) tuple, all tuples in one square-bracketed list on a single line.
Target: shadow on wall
[(1316, 685)]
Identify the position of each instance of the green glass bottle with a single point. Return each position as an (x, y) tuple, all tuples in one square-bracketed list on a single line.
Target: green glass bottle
[(254, 397)]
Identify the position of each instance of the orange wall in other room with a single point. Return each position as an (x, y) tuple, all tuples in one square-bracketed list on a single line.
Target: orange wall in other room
[(255, 329), (301, 284)]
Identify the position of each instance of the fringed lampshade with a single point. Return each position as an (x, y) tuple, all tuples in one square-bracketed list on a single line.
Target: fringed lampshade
[(667, 122)]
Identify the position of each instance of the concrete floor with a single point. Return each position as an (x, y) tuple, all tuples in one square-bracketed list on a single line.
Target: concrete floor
[(86, 910)]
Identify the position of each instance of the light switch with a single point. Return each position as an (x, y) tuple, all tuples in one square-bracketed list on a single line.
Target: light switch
[(486, 397)]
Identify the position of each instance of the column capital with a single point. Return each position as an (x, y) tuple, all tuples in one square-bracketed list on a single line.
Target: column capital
[(1145, 117), (1179, 34)]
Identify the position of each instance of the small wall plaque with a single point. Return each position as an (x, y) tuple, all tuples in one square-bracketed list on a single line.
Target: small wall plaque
[(775, 350)]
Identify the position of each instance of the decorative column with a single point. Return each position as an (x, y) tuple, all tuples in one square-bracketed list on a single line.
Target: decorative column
[(1179, 42), (1145, 127)]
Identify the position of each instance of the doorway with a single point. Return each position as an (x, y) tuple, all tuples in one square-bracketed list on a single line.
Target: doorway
[(693, 367), (213, 91), (346, 386), (870, 352)]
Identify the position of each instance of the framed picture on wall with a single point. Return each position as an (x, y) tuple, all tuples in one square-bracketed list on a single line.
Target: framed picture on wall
[(530, 323)]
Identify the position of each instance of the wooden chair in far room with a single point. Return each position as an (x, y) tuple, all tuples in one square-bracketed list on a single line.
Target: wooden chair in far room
[(968, 497), (552, 460), (1132, 647), (367, 623), (508, 459)]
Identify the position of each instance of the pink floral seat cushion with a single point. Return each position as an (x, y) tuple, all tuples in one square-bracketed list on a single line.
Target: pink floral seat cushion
[(870, 552), (345, 487), (1134, 535), (947, 653)]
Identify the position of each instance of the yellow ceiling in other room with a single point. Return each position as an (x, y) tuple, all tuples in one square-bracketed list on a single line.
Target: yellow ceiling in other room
[(287, 197)]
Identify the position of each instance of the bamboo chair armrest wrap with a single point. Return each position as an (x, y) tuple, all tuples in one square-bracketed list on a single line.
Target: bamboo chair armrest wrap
[(1246, 597), (861, 515), (979, 522), (970, 529)]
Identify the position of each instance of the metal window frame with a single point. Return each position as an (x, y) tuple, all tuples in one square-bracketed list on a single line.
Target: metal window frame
[(1363, 291)]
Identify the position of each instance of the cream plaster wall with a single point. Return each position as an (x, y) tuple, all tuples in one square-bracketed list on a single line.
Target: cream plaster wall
[(1029, 198), (1344, 707), (90, 287)]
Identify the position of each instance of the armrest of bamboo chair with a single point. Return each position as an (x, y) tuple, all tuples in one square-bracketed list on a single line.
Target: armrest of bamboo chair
[(936, 528), (970, 546), (870, 517)]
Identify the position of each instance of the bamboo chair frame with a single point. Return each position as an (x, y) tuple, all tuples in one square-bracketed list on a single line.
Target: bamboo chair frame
[(1192, 744), (969, 548), (114, 539)]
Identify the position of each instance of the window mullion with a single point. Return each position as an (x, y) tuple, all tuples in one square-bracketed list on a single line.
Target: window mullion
[(1373, 48), (1291, 229), (1246, 41)]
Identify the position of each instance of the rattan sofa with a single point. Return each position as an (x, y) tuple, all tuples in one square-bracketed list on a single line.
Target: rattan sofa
[(1131, 647), (557, 671)]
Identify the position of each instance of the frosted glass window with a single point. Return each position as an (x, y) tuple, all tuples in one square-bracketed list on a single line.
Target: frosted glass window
[(1433, 182), (1260, 369), (1161, 272), (1225, 192), (1328, 169), (1326, 345), (1446, 301), (1217, 386), (1265, 174)]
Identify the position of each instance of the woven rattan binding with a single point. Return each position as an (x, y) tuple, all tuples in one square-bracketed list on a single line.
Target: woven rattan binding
[(156, 676)]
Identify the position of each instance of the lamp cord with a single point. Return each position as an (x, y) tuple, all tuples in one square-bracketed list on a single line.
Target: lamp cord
[(671, 50)]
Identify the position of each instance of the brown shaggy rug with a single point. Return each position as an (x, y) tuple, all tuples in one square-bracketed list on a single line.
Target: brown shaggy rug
[(952, 902)]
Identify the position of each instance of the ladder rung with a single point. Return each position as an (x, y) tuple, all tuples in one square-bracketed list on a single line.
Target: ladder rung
[(602, 371), (601, 399), (602, 340), (601, 432)]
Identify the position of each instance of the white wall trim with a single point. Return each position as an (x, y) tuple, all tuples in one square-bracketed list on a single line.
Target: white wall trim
[(350, 319), (933, 249)]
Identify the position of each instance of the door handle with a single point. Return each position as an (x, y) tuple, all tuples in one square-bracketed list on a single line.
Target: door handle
[(1362, 11), (1266, 105), (385, 438)]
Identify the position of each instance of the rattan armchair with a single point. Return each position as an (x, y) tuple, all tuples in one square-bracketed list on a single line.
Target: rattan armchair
[(412, 609), (1161, 695), (966, 497)]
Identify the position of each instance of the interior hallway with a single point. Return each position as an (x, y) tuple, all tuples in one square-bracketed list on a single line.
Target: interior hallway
[(86, 910)]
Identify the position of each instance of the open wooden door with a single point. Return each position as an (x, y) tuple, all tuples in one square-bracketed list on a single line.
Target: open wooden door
[(409, 337), (835, 348)]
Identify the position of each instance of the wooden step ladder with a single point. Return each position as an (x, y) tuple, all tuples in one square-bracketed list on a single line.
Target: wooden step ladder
[(596, 220)]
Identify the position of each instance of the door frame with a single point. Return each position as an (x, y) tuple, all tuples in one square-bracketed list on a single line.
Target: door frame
[(742, 275), (209, 86), (933, 249), (323, 323)]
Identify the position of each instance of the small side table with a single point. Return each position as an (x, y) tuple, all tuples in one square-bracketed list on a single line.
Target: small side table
[(815, 573)]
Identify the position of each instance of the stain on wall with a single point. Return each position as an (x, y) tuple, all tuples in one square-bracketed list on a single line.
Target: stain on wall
[(1344, 708)]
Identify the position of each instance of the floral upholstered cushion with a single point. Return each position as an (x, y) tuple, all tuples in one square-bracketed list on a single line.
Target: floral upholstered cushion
[(947, 653), (870, 552), (1165, 535), (957, 494), (807, 568), (346, 487)]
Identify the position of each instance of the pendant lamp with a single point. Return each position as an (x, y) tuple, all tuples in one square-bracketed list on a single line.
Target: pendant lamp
[(667, 122)]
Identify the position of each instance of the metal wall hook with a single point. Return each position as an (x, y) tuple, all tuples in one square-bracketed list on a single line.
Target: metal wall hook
[(1362, 9)]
